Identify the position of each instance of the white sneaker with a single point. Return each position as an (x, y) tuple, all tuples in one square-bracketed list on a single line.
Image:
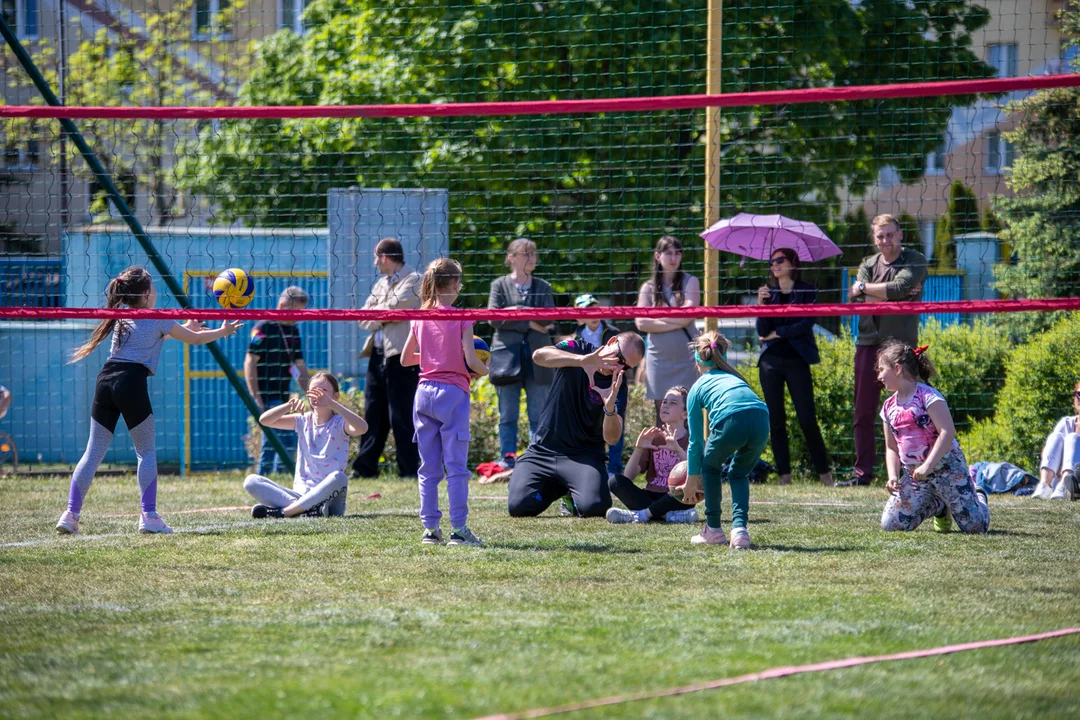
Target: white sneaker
[(151, 522), (1043, 491), (710, 536), (688, 516), (618, 516), (68, 524), (1060, 491), (740, 538)]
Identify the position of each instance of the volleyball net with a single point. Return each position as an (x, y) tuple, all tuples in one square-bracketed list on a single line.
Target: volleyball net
[(288, 141)]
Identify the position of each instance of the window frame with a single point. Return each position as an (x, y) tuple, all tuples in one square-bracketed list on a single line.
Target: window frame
[(1008, 63), (1000, 151), (22, 9), (214, 32)]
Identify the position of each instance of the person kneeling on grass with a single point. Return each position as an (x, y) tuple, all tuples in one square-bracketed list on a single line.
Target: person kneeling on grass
[(322, 452), (738, 425), (658, 450), (928, 475)]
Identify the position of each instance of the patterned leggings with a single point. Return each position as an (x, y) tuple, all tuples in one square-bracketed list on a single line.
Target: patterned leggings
[(949, 486)]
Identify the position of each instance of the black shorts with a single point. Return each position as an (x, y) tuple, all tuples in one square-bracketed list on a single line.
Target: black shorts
[(121, 390)]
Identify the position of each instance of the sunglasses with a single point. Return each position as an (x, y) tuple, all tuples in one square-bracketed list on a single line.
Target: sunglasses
[(621, 358), (1076, 394), (778, 261)]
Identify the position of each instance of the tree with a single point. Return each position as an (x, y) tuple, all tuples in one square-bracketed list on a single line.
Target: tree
[(612, 183), (961, 217), (1042, 220)]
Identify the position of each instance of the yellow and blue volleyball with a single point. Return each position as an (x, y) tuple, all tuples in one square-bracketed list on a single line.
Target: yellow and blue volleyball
[(483, 352), (233, 288)]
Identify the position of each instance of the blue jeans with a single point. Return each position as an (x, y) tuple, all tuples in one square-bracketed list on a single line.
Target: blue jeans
[(269, 460), (509, 402)]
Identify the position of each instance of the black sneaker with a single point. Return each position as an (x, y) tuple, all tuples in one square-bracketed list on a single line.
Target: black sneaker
[(1071, 484), (857, 481), (320, 510), (508, 461), (265, 511)]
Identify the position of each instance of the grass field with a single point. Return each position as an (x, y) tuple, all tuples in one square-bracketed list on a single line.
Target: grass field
[(352, 617)]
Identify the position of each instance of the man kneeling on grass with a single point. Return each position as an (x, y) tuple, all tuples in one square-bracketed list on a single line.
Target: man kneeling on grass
[(580, 417), (322, 451)]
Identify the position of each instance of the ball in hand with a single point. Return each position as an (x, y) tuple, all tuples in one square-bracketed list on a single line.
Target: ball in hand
[(483, 352), (676, 481)]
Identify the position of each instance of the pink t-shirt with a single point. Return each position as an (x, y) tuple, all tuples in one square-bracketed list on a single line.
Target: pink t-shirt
[(911, 424), (661, 462), (441, 357)]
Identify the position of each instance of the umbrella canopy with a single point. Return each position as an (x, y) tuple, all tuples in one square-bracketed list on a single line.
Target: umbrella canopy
[(759, 236)]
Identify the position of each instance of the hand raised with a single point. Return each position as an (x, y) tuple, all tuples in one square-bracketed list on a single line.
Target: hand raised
[(296, 406), (229, 327), (318, 398), (195, 325), (763, 294), (594, 362)]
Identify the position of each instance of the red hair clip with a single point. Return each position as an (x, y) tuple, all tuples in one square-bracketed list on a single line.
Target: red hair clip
[(920, 350)]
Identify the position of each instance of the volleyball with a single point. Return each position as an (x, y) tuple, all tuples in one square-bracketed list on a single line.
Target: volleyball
[(483, 352), (233, 288)]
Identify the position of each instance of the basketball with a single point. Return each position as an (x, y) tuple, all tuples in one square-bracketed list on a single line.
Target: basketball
[(233, 288), (676, 480)]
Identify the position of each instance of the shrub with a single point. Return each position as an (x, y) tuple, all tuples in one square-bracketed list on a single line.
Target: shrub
[(484, 423), (1038, 386)]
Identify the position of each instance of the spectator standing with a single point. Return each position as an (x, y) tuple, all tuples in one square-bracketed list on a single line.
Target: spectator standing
[(788, 351), (668, 358), (389, 388), (515, 341), (892, 274), (274, 359)]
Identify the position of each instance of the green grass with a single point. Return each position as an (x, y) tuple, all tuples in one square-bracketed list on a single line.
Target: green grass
[(352, 617)]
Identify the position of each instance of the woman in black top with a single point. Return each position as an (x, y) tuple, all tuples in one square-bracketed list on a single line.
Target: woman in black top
[(788, 351)]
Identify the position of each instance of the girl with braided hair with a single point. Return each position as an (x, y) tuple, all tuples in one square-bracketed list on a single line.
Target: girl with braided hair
[(738, 425), (928, 475)]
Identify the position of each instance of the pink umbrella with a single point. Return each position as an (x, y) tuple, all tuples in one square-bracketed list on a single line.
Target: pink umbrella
[(759, 236)]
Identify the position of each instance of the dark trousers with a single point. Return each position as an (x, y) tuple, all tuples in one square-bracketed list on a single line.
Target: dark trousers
[(775, 370), (539, 479), (635, 498), (388, 404), (867, 401)]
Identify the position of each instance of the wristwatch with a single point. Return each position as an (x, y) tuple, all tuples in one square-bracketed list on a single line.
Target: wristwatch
[(862, 287)]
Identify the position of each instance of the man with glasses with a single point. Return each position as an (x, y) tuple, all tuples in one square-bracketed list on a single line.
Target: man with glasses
[(581, 416), (389, 388), (893, 274), (274, 359)]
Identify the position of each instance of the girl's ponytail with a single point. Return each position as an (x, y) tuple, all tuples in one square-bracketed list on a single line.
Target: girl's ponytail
[(127, 288), (439, 276), (709, 350)]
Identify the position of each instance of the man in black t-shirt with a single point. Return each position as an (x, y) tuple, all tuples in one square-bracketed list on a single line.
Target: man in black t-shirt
[(581, 416), (273, 359)]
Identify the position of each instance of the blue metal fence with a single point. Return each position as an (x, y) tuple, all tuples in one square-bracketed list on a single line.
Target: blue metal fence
[(29, 281)]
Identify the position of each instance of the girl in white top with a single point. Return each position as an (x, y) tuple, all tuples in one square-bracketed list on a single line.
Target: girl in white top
[(322, 452), (1060, 456)]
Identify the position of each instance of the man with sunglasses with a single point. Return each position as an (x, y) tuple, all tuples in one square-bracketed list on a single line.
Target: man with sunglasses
[(893, 274), (580, 418)]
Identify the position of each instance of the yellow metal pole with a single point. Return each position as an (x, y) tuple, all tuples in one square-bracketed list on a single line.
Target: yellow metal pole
[(712, 153)]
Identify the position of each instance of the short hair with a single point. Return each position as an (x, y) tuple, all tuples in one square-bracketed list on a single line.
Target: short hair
[(884, 219), (293, 295), (391, 248), (631, 341)]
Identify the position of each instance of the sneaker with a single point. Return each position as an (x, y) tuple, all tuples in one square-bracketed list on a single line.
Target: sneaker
[(618, 516), (68, 524), (265, 511), (432, 536), (508, 461), (1043, 491), (1071, 484), (943, 521), (151, 522), (566, 507), (710, 536), (320, 510), (857, 481), (464, 536), (686, 517), (740, 538)]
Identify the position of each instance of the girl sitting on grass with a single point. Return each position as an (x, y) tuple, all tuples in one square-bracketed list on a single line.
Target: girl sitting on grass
[(657, 451), (928, 475), (322, 452)]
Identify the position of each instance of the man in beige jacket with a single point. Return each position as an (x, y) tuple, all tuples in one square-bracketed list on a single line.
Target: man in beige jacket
[(389, 388)]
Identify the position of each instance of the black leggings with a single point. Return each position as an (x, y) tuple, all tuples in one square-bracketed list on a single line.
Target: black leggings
[(121, 390), (659, 504), (539, 479), (775, 369)]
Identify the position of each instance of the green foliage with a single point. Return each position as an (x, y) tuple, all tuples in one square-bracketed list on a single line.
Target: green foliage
[(1039, 380), (617, 180), (991, 223), (484, 423), (1042, 220), (961, 217)]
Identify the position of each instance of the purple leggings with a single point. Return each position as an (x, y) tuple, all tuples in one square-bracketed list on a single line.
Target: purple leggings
[(441, 418)]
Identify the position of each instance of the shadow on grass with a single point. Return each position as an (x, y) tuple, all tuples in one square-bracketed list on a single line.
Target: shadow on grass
[(805, 549), (572, 547)]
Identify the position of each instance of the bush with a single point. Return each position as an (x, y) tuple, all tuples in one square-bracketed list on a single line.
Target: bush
[(1038, 386), (484, 423)]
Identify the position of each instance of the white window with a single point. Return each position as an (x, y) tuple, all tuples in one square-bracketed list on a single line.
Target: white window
[(927, 233), (999, 154), (22, 154), (22, 15), (935, 161), (206, 19), (1005, 58), (291, 15), (1068, 57)]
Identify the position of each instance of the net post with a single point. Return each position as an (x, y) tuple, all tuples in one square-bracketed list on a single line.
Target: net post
[(103, 177), (714, 60)]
